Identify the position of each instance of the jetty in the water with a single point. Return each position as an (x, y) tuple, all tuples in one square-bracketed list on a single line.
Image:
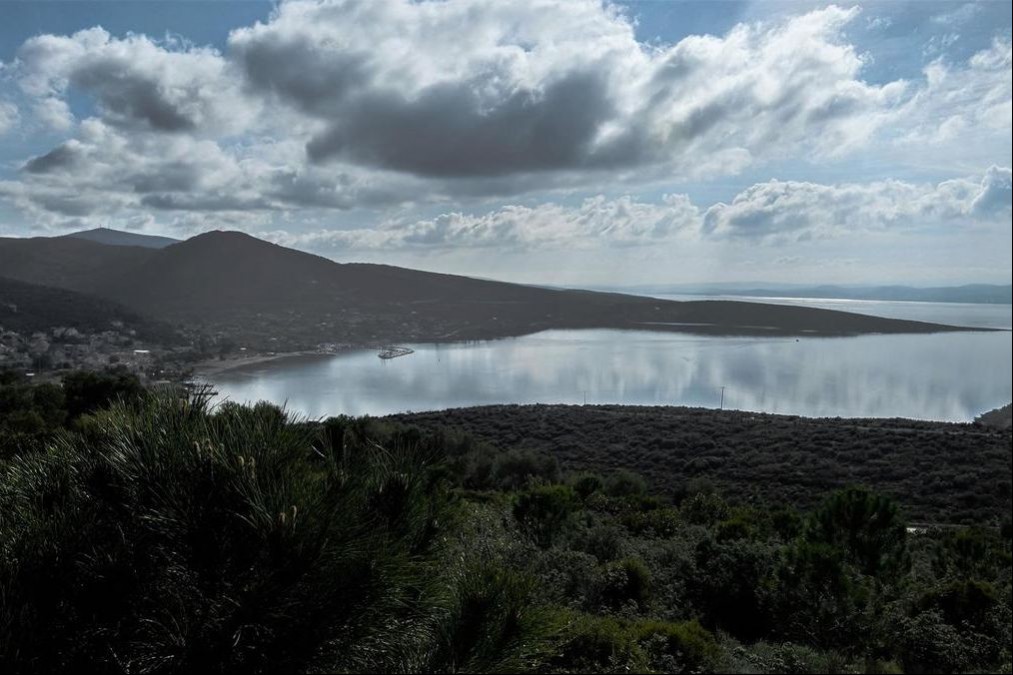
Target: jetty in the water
[(394, 352)]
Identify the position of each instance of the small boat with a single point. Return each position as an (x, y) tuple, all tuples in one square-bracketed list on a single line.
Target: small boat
[(394, 352)]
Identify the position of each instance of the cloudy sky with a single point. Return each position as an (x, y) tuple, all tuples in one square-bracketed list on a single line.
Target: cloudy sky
[(570, 142)]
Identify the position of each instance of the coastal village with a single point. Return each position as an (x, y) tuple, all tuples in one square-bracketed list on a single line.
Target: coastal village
[(45, 355), (42, 353)]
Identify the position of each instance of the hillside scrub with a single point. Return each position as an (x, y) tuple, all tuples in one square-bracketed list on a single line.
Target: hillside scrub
[(942, 473), (164, 535)]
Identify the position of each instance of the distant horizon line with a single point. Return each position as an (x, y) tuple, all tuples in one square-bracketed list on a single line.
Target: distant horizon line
[(688, 287)]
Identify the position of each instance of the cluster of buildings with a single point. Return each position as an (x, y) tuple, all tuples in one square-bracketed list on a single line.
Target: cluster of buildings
[(65, 348)]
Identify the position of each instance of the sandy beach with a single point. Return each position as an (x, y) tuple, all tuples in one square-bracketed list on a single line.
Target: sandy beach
[(213, 367)]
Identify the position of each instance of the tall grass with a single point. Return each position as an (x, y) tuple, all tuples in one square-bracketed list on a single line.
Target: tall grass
[(171, 537)]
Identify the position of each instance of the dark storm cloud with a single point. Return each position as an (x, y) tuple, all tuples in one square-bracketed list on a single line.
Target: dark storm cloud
[(130, 97), (61, 157), (314, 81), (446, 131), (167, 177), (204, 202)]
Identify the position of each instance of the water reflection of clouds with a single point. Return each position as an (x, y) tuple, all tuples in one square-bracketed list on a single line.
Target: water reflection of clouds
[(946, 376)]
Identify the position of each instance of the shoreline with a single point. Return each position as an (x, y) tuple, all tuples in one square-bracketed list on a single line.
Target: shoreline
[(744, 414), (212, 367), (215, 366)]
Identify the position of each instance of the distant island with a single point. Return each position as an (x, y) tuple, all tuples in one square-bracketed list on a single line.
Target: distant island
[(985, 294), (228, 294)]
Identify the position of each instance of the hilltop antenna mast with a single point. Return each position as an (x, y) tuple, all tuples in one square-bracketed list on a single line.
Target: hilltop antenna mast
[(722, 405)]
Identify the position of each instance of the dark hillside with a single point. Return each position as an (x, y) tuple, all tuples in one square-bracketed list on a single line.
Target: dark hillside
[(247, 285), (274, 297), (942, 472), (26, 308), (66, 262)]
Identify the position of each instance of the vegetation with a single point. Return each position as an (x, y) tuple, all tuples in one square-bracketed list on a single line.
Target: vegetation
[(32, 414), (26, 308), (942, 473), (1001, 418), (154, 533)]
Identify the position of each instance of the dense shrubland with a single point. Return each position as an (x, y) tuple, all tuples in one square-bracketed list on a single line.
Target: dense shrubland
[(942, 473), (33, 413), (158, 534)]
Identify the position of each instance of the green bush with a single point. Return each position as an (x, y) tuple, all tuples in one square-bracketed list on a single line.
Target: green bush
[(927, 644), (734, 528), (87, 391), (704, 509), (589, 644), (661, 523), (518, 469), (491, 625), (798, 659), (685, 647), (732, 585), (586, 484), (624, 483), (604, 542), (966, 602), (819, 600), (621, 583), (867, 527), (543, 510)]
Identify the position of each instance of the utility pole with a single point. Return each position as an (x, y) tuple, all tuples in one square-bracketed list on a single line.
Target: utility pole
[(722, 406)]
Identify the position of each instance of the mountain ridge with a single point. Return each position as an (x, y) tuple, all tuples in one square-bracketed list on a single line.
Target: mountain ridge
[(272, 296), (111, 237)]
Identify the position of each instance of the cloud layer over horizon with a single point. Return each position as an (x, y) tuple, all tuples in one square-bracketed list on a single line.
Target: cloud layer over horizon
[(474, 124)]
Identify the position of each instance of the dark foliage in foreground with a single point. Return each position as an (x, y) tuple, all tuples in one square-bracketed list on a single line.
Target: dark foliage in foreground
[(32, 413), (162, 536), (942, 473)]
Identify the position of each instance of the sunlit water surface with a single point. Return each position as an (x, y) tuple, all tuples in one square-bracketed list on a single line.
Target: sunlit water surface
[(946, 376)]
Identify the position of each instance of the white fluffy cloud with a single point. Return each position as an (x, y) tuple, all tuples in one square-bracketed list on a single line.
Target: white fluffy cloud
[(478, 87), (53, 114), (769, 212), (375, 104), (457, 91), (963, 110), (796, 210), (597, 221), (8, 117), (136, 81)]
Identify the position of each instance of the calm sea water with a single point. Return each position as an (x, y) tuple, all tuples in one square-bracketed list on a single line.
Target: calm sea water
[(949, 376)]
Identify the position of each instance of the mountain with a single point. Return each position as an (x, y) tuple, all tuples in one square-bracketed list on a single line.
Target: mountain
[(26, 308), (67, 262), (268, 295), (104, 235)]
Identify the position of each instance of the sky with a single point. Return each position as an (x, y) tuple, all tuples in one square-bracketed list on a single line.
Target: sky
[(546, 141)]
